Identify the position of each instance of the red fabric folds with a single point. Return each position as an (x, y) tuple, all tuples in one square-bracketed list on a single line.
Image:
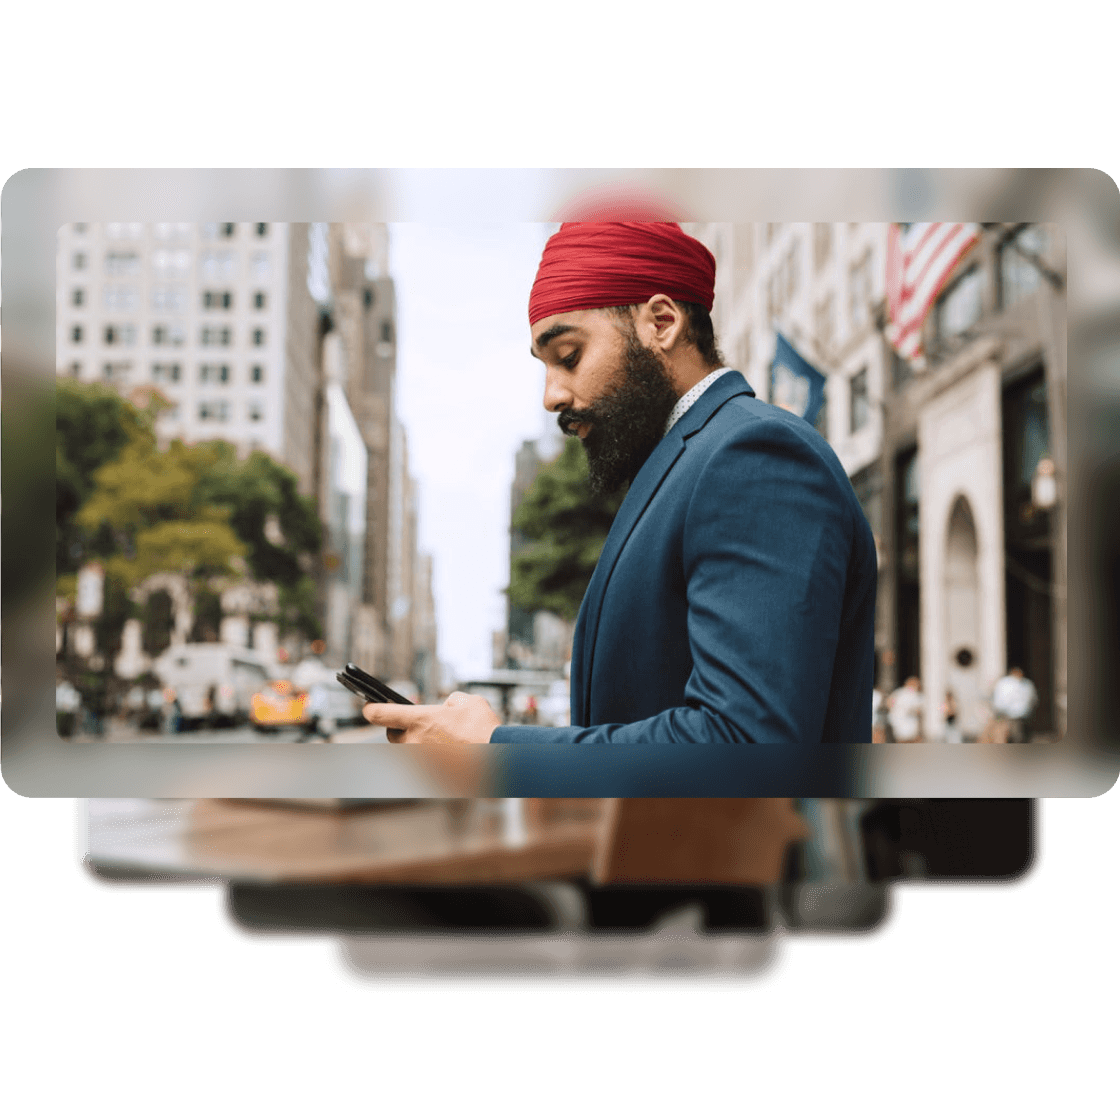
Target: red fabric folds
[(614, 264)]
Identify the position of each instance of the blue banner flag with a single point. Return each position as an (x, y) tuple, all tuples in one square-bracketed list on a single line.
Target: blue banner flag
[(795, 385)]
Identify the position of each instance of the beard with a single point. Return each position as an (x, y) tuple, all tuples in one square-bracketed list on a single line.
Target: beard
[(627, 421)]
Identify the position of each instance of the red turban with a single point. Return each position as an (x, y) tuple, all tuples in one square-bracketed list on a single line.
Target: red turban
[(615, 264)]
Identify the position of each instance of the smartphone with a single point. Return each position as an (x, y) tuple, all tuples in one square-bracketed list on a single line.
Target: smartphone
[(369, 688)]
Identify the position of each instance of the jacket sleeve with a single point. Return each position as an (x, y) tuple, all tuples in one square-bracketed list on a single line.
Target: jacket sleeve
[(767, 539)]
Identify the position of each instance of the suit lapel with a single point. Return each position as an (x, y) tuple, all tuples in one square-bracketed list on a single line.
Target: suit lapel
[(641, 493)]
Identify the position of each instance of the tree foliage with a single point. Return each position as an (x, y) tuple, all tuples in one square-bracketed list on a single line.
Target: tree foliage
[(197, 510), (566, 526), (93, 425)]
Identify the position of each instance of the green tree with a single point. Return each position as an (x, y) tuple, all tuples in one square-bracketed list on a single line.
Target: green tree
[(199, 510), (149, 508), (93, 425), (566, 525)]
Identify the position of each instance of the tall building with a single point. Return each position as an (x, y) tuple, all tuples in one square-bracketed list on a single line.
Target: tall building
[(396, 606), (216, 315), (958, 466)]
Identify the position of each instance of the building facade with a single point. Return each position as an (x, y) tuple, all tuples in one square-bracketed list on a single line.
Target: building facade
[(278, 337), (959, 465), (214, 314)]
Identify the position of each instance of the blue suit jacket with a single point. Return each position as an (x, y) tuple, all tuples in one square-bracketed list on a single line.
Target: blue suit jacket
[(734, 599)]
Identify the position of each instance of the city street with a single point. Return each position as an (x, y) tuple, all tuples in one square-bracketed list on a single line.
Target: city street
[(119, 731)]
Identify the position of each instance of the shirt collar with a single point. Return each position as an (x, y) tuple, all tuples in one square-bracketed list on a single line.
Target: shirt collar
[(692, 396)]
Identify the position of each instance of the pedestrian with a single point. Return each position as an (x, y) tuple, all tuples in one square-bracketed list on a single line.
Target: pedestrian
[(319, 723), (734, 598), (173, 712), (1014, 700), (67, 703), (906, 711), (879, 721), (949, 714)]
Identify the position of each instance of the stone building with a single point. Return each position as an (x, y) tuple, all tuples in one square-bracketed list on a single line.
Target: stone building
[(959, 466)]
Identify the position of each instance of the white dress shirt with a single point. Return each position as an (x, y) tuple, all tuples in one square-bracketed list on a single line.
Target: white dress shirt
[(692, 396)]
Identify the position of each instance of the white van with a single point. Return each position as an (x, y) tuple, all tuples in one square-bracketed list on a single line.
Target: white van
[(214, 682)]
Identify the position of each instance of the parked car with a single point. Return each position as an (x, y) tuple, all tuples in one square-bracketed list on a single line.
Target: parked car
[(213, 683), (278, 705)]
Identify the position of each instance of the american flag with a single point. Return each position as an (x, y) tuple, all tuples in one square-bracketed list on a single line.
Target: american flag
[(920, 259)]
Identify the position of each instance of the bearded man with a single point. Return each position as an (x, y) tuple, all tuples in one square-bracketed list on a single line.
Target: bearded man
[(734, 599)]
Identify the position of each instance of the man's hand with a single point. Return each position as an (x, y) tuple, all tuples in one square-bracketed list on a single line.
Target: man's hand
[(459, 719), (446, 734)]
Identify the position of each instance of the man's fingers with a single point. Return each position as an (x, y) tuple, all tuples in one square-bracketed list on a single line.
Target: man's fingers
[(393, 715)]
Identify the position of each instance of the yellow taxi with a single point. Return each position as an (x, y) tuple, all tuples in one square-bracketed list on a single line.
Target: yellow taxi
[(278, 705)]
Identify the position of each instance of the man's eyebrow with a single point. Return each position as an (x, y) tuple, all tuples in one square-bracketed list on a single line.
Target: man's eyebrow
[(545, 337)]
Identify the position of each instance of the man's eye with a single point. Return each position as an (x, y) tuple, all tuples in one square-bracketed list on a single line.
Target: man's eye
[(569, 361)]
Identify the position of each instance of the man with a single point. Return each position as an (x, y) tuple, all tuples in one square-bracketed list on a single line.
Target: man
[(1014, 698), (906, 705), (733, 601)]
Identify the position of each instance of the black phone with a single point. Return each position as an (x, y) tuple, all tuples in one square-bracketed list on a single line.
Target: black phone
[(369, 688)]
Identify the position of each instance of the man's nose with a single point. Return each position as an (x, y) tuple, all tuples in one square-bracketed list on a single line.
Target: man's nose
[(557, 395)]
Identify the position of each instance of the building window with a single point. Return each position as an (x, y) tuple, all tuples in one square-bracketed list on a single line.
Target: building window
[(120, 297), (901, 370), (256, 374), (76, 333), (116, 372), (168, 334), (213, 300), (79, 261), (367, 298), (258, 336), (262, 267), (821, 422), (75, 369), (262, 229), (122, 263), (165, 373), (868, 485), (120, 334), (961, 306), (216, 336), (217, 264), (386, 331), (124, 231), (1019, 258), (214, 374), (859, 292), (256, 411), (169, 297), (173, 231), (213, 410), (822, 243), (171, 264), (859, 408), (212, 231), (260, 300), (78, 297)]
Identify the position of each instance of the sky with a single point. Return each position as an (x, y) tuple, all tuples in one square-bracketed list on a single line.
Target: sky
[(468, 394)]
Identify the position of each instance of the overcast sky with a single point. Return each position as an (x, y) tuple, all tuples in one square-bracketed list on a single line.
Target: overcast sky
[(468, 394)]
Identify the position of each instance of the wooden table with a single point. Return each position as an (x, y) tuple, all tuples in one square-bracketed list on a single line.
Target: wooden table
[(416, 842)]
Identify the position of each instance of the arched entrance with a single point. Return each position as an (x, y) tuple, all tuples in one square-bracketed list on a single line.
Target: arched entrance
[(962, 619)]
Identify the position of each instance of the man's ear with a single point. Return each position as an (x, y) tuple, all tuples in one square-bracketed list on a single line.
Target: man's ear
[(661, 323)]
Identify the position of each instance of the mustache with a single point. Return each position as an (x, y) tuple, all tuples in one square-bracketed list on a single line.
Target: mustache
[(570, 417)]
